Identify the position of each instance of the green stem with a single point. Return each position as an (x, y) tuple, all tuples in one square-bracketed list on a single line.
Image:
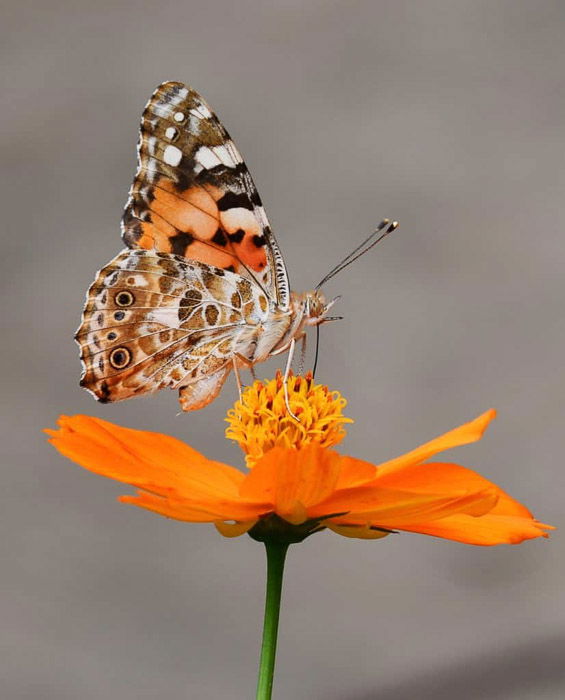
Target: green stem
[(276, 553)]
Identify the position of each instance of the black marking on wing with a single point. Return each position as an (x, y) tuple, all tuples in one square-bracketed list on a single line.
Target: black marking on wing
[(231, 200), (219, 238), (180, 242), (237, 236)]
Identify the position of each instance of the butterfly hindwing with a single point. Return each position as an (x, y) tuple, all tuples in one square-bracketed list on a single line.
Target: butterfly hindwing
[(155, 320), (193, 195), (201, 393)]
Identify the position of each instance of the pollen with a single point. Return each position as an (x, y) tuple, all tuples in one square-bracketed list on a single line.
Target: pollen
[(261, 421)]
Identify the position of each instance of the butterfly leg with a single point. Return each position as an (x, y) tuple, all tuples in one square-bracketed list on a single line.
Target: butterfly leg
[(244, 361), (237, 377), (302, 360), (250, 365), (285, 380)]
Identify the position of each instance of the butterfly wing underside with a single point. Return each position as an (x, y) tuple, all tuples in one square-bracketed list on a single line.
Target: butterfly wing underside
[(193, 195), (153, 320), (203, 266)]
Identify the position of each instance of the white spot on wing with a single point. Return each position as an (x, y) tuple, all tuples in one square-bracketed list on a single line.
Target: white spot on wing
[(172, 155), (193, 122), (235, 154), (171, 132), (151, 143), (179, 116), (166, 316), (207, 157), (139, 281), (227, 157), (204, 111), (160, 111), (179, 97)]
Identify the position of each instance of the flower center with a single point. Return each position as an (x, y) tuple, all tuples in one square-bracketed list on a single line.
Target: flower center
[(260, 420)]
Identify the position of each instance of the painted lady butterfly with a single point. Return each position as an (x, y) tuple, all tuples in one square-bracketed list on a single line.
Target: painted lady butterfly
[(202, 287)]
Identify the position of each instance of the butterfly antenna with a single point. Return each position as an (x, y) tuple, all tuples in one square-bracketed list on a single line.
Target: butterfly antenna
[(317, 351), (379, 228), (382, 231)]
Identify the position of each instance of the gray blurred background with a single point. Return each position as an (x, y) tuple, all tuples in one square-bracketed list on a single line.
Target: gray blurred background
[(447, 115)]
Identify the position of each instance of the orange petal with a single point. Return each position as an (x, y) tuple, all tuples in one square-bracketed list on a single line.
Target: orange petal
[(234, 529), (436, 477), (487, 530), (396, 509), (360, 532), (153, 461), (291, 480), (507, 522), (195, 511), (354, 472), (163, 506), (464, 434), (444, 477)]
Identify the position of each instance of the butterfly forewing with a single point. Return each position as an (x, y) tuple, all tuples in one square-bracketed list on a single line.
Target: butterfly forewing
[(193, 195)]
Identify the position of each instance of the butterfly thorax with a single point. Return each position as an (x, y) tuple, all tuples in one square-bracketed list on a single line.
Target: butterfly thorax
[(280, 327)]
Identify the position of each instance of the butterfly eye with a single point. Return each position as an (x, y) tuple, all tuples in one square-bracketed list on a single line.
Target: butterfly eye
[(124, 299), (120, 358)]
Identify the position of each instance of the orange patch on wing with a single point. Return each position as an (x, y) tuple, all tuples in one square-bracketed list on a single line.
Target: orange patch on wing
[(252, 255), (203, 198), (202, 252), (195, 211), (156, 237), (248, 252)]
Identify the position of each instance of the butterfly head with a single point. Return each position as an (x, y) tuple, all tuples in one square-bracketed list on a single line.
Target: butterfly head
[(316, 308)]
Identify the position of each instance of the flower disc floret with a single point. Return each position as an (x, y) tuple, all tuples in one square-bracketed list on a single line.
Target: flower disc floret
[(260, 421)]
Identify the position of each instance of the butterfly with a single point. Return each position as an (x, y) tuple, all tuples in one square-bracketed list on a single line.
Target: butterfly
[(201, 287)]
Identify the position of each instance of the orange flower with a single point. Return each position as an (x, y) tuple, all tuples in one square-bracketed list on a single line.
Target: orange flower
[(297, 484)]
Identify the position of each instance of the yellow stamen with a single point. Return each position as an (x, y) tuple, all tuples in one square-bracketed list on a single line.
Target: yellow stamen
[(260, 420)]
